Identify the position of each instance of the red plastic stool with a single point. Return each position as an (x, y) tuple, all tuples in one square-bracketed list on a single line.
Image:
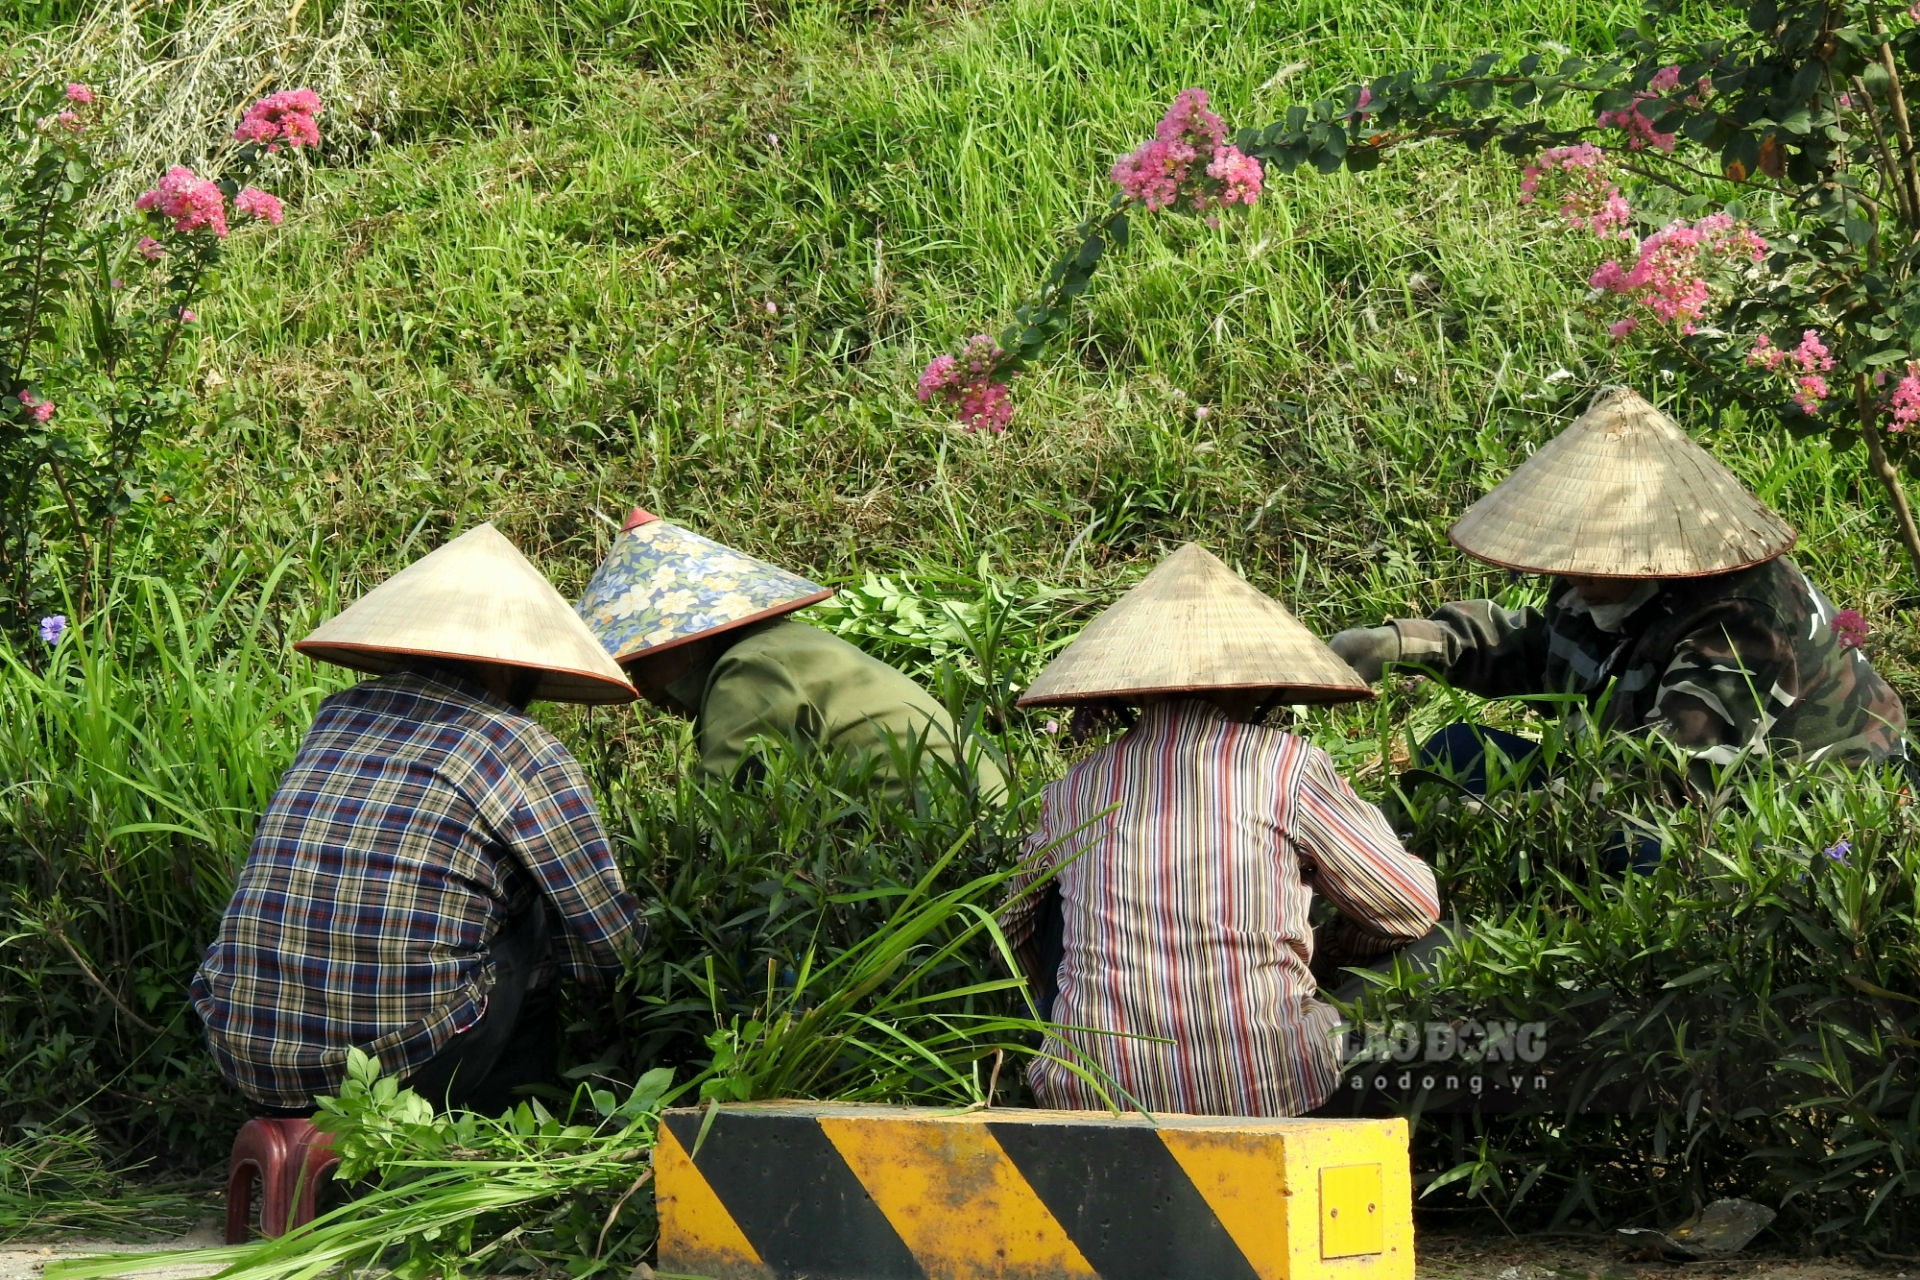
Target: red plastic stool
[(288, 1157)]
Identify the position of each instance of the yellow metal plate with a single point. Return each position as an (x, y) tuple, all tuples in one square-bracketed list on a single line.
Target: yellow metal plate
[(1350, 1211)]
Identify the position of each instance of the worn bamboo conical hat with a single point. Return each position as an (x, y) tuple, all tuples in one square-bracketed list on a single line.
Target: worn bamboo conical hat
[(1622, 493), (479, 599), (1193, 624)]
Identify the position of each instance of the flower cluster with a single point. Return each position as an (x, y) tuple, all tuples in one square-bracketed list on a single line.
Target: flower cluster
[(974, 382), (1577, 176), (1669, 274), (1804, 366), (1633, 122), (1849, 629), (1904, 403), (70, 120), (285, 117), (191, 201), (1189, 162), (150, 249), (256, 203), (37, 409)]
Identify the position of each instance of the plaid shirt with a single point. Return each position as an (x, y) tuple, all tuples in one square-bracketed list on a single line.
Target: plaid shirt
[(420, 814), (1186, 914)]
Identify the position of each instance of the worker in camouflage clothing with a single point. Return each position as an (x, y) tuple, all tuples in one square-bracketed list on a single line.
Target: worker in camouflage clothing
[(1670, 589)]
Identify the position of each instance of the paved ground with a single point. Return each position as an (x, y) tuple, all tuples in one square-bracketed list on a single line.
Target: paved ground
[(1594, 1257), (24, 1260), (1441, 1257)]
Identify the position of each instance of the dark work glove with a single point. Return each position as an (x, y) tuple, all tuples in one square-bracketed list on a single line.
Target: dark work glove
[(1367, 650)]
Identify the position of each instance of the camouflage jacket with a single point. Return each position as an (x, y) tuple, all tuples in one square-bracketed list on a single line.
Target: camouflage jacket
[(1738, 661)]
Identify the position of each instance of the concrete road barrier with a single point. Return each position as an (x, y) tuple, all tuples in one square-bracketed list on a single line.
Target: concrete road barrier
[(832, 1191)]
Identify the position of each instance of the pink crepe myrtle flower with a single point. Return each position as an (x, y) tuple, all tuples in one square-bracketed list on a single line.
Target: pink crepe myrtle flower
[(70, 121), (1803, 366), (188, 315), (190, 200), (1633, 122), (1588, 196), (1621, 328), (974, 383), (987, 405), (1764, 355), (1639, 130), (256, 203), (1238, 173), (1189, 120), (37, 409), (1849, 629), (1905, 401), (1669, 274), (936, 377), (150, 249), (1166, 171), (80, 93), (1913, 11), (285, 117)]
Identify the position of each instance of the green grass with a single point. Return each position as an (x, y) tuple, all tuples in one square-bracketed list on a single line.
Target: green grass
[(546, 309)]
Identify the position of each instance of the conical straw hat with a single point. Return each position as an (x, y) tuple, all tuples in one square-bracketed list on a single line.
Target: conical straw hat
[(1193, 624), (662, 585), (477, 598), (1622, 493)]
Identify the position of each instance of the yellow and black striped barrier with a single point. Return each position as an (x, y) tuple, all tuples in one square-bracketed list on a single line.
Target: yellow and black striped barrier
[(833, 1191)]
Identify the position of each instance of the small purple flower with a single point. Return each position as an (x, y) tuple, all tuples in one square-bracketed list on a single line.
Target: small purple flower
[(1050, 727), (1838, 853), (52, 628)]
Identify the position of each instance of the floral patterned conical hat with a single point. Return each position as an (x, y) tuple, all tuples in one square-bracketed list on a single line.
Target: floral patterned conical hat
[(662, 585)]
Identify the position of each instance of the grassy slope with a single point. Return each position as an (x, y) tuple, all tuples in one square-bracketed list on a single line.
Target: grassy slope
[(703, 280)]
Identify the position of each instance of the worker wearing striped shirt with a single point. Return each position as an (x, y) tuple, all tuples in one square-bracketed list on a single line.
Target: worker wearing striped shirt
[(433, 858), (1187, 854)]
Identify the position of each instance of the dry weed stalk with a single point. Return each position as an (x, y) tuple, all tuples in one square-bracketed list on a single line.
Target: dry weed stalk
[(181, 72)]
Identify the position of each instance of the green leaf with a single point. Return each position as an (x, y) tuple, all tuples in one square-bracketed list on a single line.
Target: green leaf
[(1701, 974)]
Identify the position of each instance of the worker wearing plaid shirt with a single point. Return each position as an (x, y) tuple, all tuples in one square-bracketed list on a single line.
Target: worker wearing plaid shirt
[(429, 862)]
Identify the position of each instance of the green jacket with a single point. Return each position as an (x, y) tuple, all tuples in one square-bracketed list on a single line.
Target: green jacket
[(792, 681)]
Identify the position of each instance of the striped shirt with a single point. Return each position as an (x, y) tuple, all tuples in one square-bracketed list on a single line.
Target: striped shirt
[(1186, 913), (420, 814)]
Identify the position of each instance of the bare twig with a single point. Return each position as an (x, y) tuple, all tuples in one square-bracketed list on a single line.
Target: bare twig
[(1907, 208), (1897, 101)]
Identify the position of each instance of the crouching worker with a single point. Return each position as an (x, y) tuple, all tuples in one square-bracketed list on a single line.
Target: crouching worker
[(1671, 597), (703, 631), (1188, 853), (433, 858)]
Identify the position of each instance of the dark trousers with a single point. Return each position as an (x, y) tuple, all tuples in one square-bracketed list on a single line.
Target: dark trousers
[(1418, 955), (1459, 754), (515, 1042)]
